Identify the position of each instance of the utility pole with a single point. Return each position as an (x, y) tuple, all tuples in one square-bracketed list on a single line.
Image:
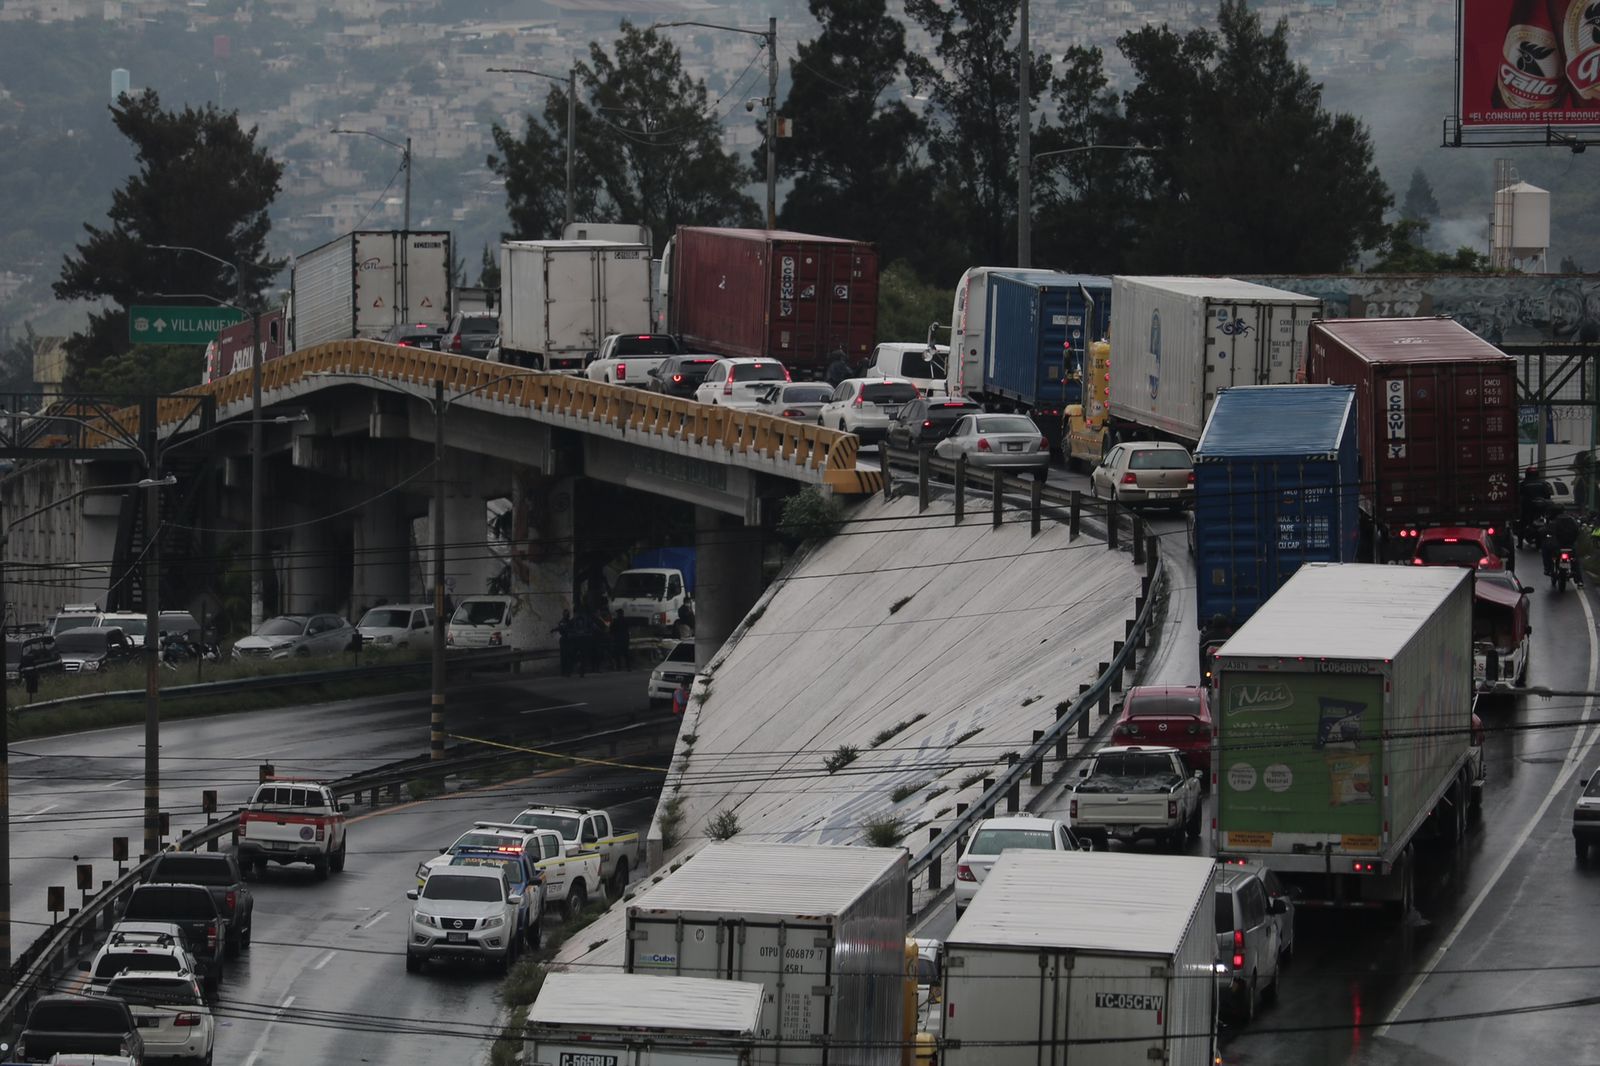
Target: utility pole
[(772, 122), (572, 124), (436, 720), (5, 780), (152, 628), (1024, 164), (407, 164)]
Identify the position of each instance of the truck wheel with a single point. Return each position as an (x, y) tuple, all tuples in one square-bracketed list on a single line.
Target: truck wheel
[(413, 963), (619, 879), (531, 934), (1407, 886), (1193, 825), (337, 862), (1581, 849), (321, 866), (577, 899), (1252, 1002), (244, 936)]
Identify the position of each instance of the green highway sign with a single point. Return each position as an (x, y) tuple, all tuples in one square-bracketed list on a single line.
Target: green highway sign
[(179, 325)]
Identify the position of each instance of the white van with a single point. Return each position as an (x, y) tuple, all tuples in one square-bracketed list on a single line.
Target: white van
[(915, 362), (482, 622)]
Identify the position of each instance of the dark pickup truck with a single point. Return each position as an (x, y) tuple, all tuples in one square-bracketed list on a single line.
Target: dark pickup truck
[(191, 909), (219, 872), (83, 1025)]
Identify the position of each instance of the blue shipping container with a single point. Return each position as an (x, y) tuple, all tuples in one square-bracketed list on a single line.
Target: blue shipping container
[(679, 559), (1276, 475), (1033, 315)]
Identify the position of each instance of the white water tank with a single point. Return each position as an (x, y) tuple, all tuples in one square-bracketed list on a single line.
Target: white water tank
[(1522, 220)]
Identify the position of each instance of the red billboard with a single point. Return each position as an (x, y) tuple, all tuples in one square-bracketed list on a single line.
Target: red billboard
[(231, 350), (1530, 63)]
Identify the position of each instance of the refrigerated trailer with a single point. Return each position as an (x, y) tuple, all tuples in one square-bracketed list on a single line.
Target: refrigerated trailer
[(560, 299), (1437, 409), (631, 1020), (1100, 958), (1177, 341), (1345, 729), (363, 283), (822, 928)]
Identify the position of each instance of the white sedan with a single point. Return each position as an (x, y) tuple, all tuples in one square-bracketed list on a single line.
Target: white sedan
[(1014, 833), (998, 442)]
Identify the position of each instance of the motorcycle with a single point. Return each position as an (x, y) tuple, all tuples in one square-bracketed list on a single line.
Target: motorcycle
[(1561, 571)]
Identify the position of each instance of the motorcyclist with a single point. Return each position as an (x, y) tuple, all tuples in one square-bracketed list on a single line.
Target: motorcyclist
[(1562, 534), (1534, 498)]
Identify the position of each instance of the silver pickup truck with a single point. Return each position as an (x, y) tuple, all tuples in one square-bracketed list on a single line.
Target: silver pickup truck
[(1132, 794)]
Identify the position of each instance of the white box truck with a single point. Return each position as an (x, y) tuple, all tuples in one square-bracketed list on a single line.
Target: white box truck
[(1176, 342), (635, 1020), (1345, 729), (560, 299), (1100, 958), (823, 929), (363, 283)]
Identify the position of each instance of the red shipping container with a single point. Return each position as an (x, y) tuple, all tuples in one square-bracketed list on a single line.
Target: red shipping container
[(775, 294), (231, 350), (1436, 420)]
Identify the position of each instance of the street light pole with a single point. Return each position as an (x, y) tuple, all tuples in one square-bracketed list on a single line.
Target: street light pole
[(772, 122), (1024, 122), (152, 633), (572, 124), (1025, 180), (406, 228), (436, 718)]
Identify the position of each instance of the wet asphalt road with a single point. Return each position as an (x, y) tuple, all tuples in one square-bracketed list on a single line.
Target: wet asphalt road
[(325, 978)]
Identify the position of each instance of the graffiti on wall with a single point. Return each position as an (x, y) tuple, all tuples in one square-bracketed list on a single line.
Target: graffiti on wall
[(1500, 308)]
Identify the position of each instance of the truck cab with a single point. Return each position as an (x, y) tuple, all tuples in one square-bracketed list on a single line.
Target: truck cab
[(650, 598)]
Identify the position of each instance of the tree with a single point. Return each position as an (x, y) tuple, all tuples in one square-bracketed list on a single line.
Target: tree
[(649, 148), (16, 362), (1252, 174), (145, 369), (855, 156), (974, 141), (1404, 251), (489, 270), (202, 182), (1419, 202), (907, 305)]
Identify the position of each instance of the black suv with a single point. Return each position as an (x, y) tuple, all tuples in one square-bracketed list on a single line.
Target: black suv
[(219, 872), (91, 648), (924, 422), (471, 333), (680, 375), (419, 335), (192, 909), (35, 654)]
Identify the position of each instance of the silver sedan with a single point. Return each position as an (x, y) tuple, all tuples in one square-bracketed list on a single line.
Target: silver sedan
[(1007, 442), (797, 400)]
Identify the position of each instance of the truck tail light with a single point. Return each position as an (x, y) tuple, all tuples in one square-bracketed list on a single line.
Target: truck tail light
[(983, 444), (211, 936), (1130, 478), (1172, 808), (1363, 867), (244, 824), (793, 412), (455, 343), (1191, 479), (622, 371), (231, 901), (322, 831), (186, 1020), (1072, 811), (1238, 949), (964, 873)]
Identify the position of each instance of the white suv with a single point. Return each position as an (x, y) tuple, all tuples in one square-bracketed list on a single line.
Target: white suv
[(171, 1013), (141, 946), (1249, 939), (676, 669), (463, 913), (994, 835), (866, 406), (739, 382)]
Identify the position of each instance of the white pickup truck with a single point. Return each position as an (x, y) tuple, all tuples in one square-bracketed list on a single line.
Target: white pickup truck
[(565, 880), (1131, 794), (290, 820), (591, 832), (628, 358)]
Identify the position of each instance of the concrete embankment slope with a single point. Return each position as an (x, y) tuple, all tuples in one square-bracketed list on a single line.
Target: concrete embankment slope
[(932, 650)]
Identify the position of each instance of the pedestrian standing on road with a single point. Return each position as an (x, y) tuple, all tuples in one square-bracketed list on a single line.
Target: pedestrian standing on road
[(567, 639), (838, 366), (621, 654), (598, 647), (582, 634)]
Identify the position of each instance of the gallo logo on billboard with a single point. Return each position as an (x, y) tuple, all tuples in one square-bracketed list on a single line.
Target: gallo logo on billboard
[(1259, 697), (1155, 353)]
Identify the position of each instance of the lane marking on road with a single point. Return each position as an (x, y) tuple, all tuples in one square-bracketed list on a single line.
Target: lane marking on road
[(42, 810), (374, 920), (261, 1041), (320, 963), (1577, 755), (553, 707)]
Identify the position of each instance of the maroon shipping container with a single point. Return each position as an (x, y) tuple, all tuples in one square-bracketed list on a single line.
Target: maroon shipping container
[(231, 350), (1436, 410), (787, 296)]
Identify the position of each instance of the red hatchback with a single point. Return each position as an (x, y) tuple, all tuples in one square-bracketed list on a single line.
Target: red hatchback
[(1457, 546), (1172, 717)]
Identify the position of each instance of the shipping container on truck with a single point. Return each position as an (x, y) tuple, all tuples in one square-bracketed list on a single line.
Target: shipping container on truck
[(1100, 958), (235, 346), (822, 928), (773, 294), (1021, 335), (632, 1020), (1437, 409), (1345, 705), (363, 283), (1275, 478), (560, 299), (1177, 342)]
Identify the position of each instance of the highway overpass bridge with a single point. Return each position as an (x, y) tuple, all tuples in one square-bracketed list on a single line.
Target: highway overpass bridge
[(350, 471)]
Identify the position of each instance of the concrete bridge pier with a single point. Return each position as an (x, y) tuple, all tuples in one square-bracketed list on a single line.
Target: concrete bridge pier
[(470, 562), (728, 558), (382, 553), (310, 578)]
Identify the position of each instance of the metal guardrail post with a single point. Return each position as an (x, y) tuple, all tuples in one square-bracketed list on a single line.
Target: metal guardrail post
[(1074, 514), (922, 480), (933, 870), (1112, 520), (1036, 776), (961, 488), (1036, 507), (1138, 540), (1063, 745), (997, 498), (1152, 549), (1116, 653)]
